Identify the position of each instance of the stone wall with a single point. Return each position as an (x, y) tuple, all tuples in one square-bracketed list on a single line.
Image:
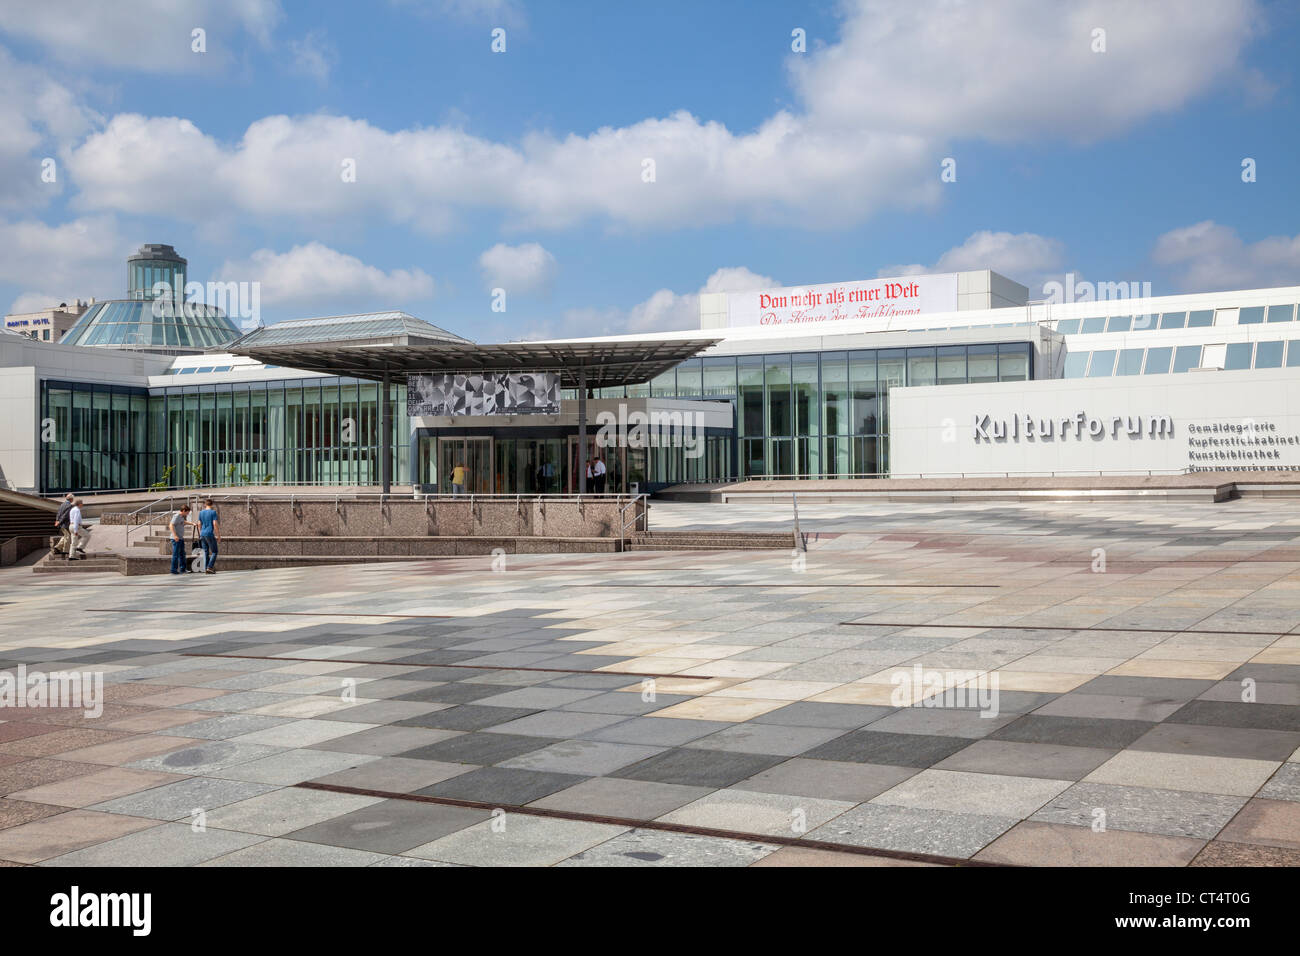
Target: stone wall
[(418, 518)]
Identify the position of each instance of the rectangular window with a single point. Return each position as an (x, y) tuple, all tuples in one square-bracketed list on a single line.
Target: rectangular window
[(1252, 316), (1173, 320), (1119, 323), (1076, 363), (1281, 313), (719, 376), (835, 393), (688, 379), (1130, 362), (1238, 355), (1158, 361), (1093, 325), (982, 363), (890, 371), (952, 365), (777, 377), (1268, 354), (1013, 363), (1293, 354), (1103, 364), (750, 412), (1068, 326), (1187, 357), (920, 366), (804, 393), (1199, 320), (866, 401)]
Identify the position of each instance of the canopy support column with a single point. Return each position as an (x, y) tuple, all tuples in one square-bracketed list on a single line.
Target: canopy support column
[(582, 429), (385, 438)]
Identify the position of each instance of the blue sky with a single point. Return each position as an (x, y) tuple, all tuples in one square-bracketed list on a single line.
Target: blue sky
[(522, 170)]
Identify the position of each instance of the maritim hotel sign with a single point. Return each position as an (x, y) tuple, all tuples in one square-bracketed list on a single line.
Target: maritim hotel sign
[(842, 301)]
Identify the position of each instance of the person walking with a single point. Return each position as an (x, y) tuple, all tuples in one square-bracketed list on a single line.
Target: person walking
[(74, 531), (61, 524), (177, 527), (598, 470), (209, 535), (458, 479)]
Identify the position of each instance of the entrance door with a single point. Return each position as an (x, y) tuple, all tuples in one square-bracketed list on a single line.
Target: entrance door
[(475, 454)]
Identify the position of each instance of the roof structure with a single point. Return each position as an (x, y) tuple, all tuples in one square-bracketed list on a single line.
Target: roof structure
[(397, 344), (152, 323)]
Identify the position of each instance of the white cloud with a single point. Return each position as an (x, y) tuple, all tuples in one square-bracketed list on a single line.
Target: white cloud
[(1019, 69), (40, 117), (523, 269), (78, 259), (879, 110), (1210, 257), (1026, 257), (313, 275), (141, 35), (313, 56)]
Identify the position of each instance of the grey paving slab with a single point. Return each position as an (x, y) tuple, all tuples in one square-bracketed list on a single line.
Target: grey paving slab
[(540, 698), (698, 768), (283, 811), (812, 714), (386, 741), (776, 739), (1053, 761), (466, 717), (483, 749), (1244, 742), (656, 731), (292, 766), (986, 794), (392, 826), (168, 844), (895, 750), (1283, 785), (281, 853), (176, 801), (943, 722), (1171, 812), (590, 757), (206, 758), (614, 702), (912, 830), (394, 774), (1074, 731), (504, 786), (615, 797), (1256, 716), (659, 848), (829, 779), (231, 725), (1149, 709), (556, 723), (518, 840)]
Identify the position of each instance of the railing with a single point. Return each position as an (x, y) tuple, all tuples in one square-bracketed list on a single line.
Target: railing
[(816, 476), (625, 523), (148, 521), (800, 543)]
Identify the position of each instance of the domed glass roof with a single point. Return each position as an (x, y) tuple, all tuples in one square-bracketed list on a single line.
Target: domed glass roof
[(156, 323)]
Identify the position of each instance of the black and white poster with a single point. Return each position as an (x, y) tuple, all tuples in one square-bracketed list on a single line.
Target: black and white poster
[(483, 393)]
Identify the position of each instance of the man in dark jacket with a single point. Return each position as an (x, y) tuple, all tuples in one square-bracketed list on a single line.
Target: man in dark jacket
[(62, 524)]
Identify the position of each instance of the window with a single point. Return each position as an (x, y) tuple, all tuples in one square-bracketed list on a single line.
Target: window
[(1187, 357), (1143, 322), (205, 368), (1199, 320), (920, 366), (1103, 364), (1068, 326), (1173, 320), (1281, 313), (1252, 316), (1013, 363), (1239, 354), (1293, 354), (1076, 363), (1119, 323), (1158, 361), (1091, 326), (982, 363), (1268, 354), (1130, 362), (952, 364)]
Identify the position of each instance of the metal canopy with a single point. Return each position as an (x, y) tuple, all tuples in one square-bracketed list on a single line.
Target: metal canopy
[(606, 363)]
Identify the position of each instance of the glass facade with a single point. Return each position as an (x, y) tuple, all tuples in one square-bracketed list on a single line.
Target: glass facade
[(321, 431), (157, 323)]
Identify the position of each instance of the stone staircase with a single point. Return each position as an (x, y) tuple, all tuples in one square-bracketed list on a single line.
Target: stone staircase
[(710, 541)]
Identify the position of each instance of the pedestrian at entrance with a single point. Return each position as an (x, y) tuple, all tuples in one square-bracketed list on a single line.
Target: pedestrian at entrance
[(61, 524), (209, 535), (75, 534), (598, 470), (591, 476), (458, 479), (179, 522)]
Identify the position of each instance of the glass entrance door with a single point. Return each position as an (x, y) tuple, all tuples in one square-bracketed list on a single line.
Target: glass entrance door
[(475, 454)]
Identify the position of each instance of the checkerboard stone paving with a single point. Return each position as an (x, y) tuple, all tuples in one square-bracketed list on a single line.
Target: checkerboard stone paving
[(379, 715)]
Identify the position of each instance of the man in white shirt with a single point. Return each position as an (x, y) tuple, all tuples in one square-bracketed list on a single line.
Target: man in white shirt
[(76, 535), (598, 471)]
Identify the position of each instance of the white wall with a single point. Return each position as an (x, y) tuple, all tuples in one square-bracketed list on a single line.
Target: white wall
[(932, 429)]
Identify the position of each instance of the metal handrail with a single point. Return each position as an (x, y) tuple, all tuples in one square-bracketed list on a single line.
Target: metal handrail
[(1149, 472), (148, 520), (625, 524)]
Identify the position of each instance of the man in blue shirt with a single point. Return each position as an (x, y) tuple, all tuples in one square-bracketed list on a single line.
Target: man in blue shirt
[(209, 536)]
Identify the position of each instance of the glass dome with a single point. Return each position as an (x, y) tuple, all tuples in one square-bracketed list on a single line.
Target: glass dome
[(158, 323)]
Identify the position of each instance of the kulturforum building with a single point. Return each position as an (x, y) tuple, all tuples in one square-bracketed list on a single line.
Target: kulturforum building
[(935, 375)]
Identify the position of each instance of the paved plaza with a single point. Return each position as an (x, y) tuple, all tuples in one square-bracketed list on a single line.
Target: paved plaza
[(1140, 666)]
